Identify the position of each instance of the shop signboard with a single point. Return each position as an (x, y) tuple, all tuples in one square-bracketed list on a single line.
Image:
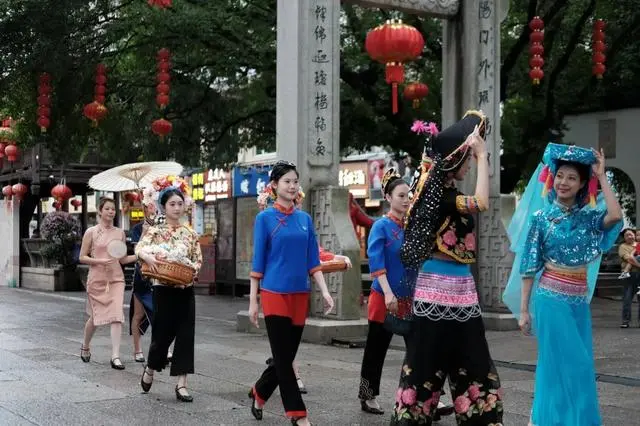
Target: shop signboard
[(217, 185), (250, 181), (353, 176)]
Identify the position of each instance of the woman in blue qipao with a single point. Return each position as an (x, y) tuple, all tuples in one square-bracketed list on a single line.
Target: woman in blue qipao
[(558, 240)]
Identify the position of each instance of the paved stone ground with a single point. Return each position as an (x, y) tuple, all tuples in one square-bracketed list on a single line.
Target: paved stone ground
[(45, 383)]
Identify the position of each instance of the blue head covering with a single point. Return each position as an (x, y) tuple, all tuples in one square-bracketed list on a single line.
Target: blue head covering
[(539, 195)]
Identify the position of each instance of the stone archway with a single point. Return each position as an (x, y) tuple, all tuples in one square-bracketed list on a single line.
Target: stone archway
[(308, 66)]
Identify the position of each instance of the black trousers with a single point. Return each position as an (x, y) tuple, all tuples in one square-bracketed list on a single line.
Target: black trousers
[(630, 286), (375, 351), (284, 338), (174, 318)]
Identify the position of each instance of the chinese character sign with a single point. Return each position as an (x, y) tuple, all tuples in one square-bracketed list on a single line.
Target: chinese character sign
[(486, 72), (197, 186), (323, 56), (217, 185), (249, 181)]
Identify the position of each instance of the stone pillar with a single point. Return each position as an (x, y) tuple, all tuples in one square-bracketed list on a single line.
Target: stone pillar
[(471, 60), (308, 133)]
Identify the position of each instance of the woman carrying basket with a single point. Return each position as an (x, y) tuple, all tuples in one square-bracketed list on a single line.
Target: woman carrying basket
[(173, 297)]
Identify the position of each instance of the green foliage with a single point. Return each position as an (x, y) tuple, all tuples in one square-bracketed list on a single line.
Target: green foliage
[(224, 76)]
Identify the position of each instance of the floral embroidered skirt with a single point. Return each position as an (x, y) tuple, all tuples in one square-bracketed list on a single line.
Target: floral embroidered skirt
[(565, 392), (448, 342)]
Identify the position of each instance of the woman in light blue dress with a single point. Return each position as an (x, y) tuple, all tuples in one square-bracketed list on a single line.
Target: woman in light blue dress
[(558, 240)]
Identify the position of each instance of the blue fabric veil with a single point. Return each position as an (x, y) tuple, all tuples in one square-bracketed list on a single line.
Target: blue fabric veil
[(533, 200)]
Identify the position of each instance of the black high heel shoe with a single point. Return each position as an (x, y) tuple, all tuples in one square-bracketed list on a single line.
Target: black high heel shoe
[(255, 412), (85, 354), (181, 396), (118, 366), (368, 409), (144, 385)]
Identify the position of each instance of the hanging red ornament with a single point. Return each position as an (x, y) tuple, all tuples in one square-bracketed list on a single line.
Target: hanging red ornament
[(163, 77), (19, 191), (7, 191), (598, 48), (536, 50), (44, 101), (61, 192), (76, 203), (393, 44), (161, 127), (162, 4), (415, 92), (56, 205), (11, 151), (3, 146), (96, 111)]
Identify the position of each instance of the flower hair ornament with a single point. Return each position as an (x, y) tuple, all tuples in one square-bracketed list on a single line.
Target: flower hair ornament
[(153, 193), (268, 196)]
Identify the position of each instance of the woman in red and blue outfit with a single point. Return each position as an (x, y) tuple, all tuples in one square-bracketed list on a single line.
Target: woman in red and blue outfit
[(285, 254), (387, 292)]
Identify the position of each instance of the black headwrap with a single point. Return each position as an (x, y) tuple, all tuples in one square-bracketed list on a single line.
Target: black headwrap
[(444, 152)]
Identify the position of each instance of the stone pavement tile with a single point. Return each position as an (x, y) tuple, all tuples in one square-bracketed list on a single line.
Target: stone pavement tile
[(10, 342), (57, 412), (6, 376), (9, 418), (626, 397), (11, 361)]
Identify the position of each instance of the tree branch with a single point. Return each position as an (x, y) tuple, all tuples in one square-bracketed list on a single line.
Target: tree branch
[(562, 63), (511, 58), (239, 120)]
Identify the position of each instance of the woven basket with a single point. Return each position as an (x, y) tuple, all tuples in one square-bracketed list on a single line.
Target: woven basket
[(169, 273), (333, 266)]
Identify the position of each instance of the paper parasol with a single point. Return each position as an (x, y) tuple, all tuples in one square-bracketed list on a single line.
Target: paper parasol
[(129, 177)]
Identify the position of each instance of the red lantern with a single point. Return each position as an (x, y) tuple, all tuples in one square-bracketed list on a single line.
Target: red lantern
[(416, 91), (61, 192), (19, 190), (162, 4), (11, 151), (163, 77), (536, 50), (44, 101), (598, 48), (7, 191), (3, 146), (392, 44), (76, 203), (536, 75), (95, 112), (161, 127)]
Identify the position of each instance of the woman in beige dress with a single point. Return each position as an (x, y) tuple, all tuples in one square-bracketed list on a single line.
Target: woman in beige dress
[(105, 283)]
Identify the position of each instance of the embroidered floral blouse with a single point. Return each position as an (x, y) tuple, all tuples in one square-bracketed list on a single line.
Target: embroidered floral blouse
[(178, 244), (456, 237)]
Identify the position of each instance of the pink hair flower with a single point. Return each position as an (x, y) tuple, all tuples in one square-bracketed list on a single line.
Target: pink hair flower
[(421, 127)]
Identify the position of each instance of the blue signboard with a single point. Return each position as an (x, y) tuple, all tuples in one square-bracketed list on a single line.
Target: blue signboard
[(250, 181)]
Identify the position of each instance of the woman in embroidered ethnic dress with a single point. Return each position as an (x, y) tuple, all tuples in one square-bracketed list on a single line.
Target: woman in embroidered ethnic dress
[(448, 339), (105, 283), (174, 310), (285, 254), (559, 241)]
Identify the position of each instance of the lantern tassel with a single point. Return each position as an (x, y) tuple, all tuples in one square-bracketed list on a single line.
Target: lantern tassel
[(394, 97), (416, 103)]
